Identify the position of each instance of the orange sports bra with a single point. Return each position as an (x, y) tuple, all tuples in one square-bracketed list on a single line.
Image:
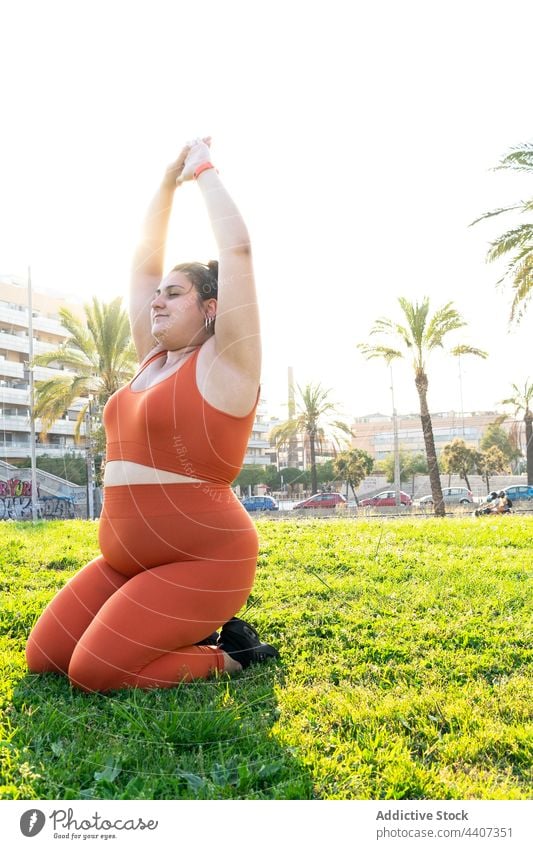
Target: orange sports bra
[(170, 426)]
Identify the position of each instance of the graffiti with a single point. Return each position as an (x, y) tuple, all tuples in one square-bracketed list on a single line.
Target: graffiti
[(15, 487), (48, 507), (57, 507)]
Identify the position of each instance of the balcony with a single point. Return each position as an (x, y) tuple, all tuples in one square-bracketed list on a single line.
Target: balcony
[(253, 460), (262, 427), (258, 443), (22, 424), (8, 368), (19, 318), (14, 396), (9, 342)]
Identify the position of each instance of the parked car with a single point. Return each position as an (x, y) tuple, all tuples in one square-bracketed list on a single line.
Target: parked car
[(387, 499), (259, 502), (451, 495), (322, 500), (521, 492)]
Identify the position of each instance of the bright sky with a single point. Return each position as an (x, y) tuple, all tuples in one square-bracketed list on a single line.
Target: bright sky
[(358, 149)]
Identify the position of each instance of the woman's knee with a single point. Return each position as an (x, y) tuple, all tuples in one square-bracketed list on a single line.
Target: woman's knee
[(37, 658), (47, 649), (90, 673)]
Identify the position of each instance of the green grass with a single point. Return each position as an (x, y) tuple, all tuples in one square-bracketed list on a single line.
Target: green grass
[(404, 674)]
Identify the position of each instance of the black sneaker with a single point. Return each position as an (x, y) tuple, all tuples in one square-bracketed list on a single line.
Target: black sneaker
[(211, 640), (242, 643)]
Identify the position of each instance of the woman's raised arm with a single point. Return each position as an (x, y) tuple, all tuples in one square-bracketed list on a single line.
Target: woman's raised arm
[(147, 267), (237, 329)]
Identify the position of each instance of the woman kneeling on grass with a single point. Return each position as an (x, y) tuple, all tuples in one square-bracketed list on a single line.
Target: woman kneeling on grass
[(178, 549)]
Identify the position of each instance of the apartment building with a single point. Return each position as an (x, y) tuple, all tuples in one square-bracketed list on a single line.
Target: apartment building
[(48, 334), (374, 433), (258, 444)]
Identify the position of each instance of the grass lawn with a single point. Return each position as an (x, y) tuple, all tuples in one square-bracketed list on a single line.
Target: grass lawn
[(404, 674)]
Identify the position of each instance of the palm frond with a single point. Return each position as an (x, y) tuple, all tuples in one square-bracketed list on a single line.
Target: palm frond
[(444, 321), (284, 432), (383, 325), (519, 158), (416, 315), (110, 325), (517, 238), (79, 336), (54, 397), (69, 357), (497, 212), (459, 350), (522, 286), (520, 400), (373, 351), (342, 426), (101, 355)]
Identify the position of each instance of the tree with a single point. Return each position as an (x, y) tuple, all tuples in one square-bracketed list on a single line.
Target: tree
[(416, 464), (458, 458), (313, 422), (491, 461), (324, 472), (100, 354), (517, 242), (353, 466), (522, 401), (411, 465), (272, 478), (293, 477), (387, 466), (250, 475), (72, 468), (496, 436), (418, 337)]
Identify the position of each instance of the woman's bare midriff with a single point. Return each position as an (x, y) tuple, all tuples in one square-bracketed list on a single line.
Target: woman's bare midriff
[(126, 473)]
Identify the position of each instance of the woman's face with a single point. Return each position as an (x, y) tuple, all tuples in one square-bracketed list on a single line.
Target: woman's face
[(177, 314)]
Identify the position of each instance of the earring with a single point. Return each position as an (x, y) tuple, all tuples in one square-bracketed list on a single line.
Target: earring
[(208, 321)]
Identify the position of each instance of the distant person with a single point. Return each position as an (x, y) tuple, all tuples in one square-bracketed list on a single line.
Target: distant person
[(504, 503), (179, 551)]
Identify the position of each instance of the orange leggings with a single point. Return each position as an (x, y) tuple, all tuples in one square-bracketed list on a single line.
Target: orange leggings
[(178, 561)]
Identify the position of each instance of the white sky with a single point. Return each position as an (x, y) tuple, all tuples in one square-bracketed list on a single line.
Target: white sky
[(358, 149)]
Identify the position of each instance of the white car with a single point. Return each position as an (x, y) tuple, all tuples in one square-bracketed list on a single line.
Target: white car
[(451, 495)]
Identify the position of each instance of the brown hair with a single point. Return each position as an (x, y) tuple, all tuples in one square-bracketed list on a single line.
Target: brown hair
[(203, 277)]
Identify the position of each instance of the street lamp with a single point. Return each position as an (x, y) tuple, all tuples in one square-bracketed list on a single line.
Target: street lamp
[(90, 460), (32, 404), (396, 444), (461, 394)]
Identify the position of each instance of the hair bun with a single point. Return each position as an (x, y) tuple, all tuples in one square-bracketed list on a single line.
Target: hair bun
[(213, 267)]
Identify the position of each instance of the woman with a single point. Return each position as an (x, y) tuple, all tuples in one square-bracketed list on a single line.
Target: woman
[(178, 549)]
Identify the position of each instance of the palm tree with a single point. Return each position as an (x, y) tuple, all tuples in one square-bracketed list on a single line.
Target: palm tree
[(517, 242), (522, 403), (418, 337), (312, 421), (101, 355)]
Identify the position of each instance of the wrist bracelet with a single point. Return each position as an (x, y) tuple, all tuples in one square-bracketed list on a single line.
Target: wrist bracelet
[(203, 167)]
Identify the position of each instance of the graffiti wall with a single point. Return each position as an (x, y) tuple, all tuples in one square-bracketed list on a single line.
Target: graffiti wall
[(15, 502), (15, 487)]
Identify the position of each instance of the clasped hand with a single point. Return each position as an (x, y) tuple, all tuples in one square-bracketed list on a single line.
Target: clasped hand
[(191, 156)]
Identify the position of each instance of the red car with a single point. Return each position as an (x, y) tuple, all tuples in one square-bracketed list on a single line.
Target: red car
[(387, 499), (322, 499)]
